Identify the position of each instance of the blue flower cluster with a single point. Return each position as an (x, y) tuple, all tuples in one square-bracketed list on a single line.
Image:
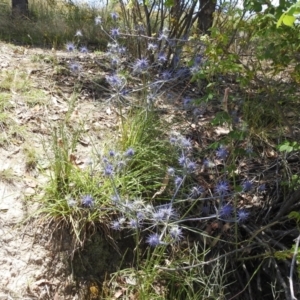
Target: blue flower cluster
[(112, 163)]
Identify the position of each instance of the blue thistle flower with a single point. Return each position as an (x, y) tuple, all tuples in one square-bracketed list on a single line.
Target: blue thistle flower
[(176, 233), (141, 65), (83, 49), (129, 152), (108, 170), (161, 58), (186, 143), (222, 152), (177, 180), (114, 61), (166, 75), (225, 211), (152, 47), (121, 50), (153, 240), (190, 166), (247, 186), (87, 201), (262, 188), (70, 47), (111, 153), (114, 16), (158, 216), (196, 192), (140, 215), (115, 32), (222, 188), (133, 223), (168, 211), (173, 140), (115, 81), (115, 225), (75, 67), (182, 160), (171, 171), (242, 215)]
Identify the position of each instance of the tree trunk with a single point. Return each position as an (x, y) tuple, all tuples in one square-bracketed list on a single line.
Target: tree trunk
[(206, 15), (20, 7)]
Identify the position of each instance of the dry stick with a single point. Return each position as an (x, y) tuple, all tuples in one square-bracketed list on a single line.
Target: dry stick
[(297, 240), (281, 280)]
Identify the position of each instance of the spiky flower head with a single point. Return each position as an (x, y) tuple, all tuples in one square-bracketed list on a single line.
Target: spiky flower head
[(115, 81), (122, 50), (152, 47), (161, 58), (222, 188), (185, 143), (176, 233), (173, 140), (75, 67), (140, 65), (242, 215), (134, 223), (153, 240), (84, 49), (108, 170), (87, 201), (115, 225), (171, 171), (191, 166), (247, 186), (114, 16), (178, 181), (196, 192), (70, 47), (182, 160), (225, 211), (166, 75), (222, 152), (129, 152), (115, 32)]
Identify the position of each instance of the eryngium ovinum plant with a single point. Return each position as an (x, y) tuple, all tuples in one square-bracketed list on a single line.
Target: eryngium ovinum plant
[(163, 61)]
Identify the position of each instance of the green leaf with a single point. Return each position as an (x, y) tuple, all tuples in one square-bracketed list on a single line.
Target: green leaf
[(288, 20)]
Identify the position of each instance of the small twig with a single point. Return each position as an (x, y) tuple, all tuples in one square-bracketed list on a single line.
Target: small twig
[(297, 240), (280, 279)]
